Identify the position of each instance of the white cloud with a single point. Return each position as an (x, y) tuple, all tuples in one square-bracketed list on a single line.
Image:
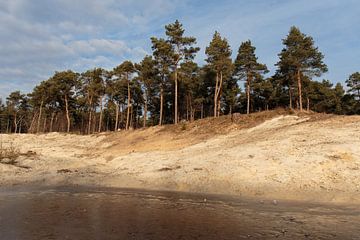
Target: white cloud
[(41, 36)]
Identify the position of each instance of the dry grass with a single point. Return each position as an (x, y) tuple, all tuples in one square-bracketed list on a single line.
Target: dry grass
[(173, 137), (8, 155)]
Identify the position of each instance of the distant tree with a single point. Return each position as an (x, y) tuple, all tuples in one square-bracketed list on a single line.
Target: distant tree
[(126, 71), (93, 87), (248, 68), (116, 91), (301, 57), (14, 102), (189, 76), (182, 50), (264, 91), (147, 74), (66, 84), (231, 94), (353, 83), (219, 59), (162, 52), (40, 97)]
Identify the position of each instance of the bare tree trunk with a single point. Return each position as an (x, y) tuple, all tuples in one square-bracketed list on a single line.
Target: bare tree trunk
[(131, 117), (90, 120), (176, 96), (187, 108), (248, 94), (67, 113), (299, 90), (90, 115), (52, 121), (8, 125), (44, 126), (145, 109), (94, 121), (308, 104), (219, 94), (202, 111), (20, 121), (161, 104), (39, 119), (101, 113), (31, 129), (116, 117), (121, 113), (216, 94), (15, 122), (128, 104)]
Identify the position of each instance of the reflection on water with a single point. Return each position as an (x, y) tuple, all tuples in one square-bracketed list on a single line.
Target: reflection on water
[(127, 214)]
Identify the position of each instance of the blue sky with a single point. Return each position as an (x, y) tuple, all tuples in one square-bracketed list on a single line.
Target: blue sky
[(38, 37)]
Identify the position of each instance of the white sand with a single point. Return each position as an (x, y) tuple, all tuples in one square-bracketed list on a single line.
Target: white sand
[(287, 157)]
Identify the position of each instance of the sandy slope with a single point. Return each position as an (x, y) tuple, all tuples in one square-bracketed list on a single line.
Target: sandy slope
[(287, 157)]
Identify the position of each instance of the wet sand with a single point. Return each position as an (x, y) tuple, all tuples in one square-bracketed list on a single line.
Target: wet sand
[(85, 213)]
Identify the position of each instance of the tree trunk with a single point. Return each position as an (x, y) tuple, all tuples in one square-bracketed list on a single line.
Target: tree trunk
[(20, 121), (161, 104), (116, 117), (67, 113), (215, 94), (40, 115), (15, 122), (299, 90), (52, 121), (90, 115), (308, 104), (290, 98), (31, 129), (219, 94), (8, 126), (176, 96), (131, 118), (145, 109), (101, 113), (94, 122), (90, 120), (202, 111), (248, 94), (44, 126), (128, 104), (121, 113)]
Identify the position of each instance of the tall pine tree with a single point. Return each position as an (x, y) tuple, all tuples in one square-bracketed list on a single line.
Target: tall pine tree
[(248, 68), (301, 57)]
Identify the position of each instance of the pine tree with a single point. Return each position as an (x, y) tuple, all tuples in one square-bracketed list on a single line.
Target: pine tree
[(353, 83), (147, 74), (126, 71), (219, 59), (14, 102), (248, 68), (182, 50), (162, 52), (301, 57), (66, 84)]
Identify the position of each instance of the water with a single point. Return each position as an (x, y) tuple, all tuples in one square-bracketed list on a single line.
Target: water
[(80, 213)]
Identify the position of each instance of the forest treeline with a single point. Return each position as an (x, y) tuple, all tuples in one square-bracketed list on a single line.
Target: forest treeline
[(168, 87)]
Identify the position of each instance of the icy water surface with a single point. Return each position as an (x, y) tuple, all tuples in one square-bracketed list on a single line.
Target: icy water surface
[(79, 213)]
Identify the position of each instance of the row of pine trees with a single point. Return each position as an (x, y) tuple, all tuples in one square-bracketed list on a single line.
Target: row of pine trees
[(169, 87)]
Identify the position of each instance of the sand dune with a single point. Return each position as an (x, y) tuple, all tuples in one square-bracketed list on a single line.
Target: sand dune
[(311, 157)]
